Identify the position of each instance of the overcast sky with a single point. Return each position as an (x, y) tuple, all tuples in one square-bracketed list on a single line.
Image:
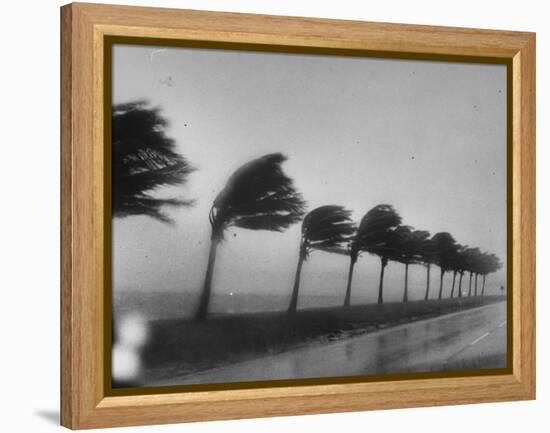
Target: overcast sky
[(427, 137)]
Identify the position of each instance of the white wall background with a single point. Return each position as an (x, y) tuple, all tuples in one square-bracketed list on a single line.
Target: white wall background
[(29, 216)]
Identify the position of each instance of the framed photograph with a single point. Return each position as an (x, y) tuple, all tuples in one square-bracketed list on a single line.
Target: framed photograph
[(266, 215)]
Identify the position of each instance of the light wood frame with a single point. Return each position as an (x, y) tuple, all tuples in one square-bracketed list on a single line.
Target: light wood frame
[(84, 403)]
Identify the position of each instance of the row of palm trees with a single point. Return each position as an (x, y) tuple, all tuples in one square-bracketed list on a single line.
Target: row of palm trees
[(381, 233), (260, 196)]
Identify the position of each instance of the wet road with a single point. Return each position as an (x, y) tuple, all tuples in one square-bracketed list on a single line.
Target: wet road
[(474, 338)]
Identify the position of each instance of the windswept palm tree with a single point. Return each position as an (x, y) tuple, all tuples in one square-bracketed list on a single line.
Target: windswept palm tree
[(456, 267), (445, 249), (428, 259), (490, 263), (460, 266), (144, 159), (258, 196), (355, 246), (471, 258), (353, 255), (461, 273), (408, 250), (326, 228), (470, 283), (376, 235), (477, 269)]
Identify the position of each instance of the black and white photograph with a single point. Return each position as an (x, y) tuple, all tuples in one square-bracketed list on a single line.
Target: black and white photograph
[(282, 216)]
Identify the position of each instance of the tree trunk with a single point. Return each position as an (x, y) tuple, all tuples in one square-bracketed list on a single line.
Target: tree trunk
[(405, 293), (483, 286), (427, 282), (347, 301), (460, 285), (294, 298), (475, 291), (470, 286), (453, 289), (441, 284), (383, 263), (202, 311)]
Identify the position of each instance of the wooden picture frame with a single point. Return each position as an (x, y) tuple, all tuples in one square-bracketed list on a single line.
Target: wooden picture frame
[(85, 28)]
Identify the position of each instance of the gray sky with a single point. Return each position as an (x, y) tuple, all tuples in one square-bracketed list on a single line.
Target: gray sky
[(427, 137)]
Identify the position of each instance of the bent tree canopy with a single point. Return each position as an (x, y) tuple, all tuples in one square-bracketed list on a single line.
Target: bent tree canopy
[(445, 248), (258, 196), (376, 235), (428, 258), (327, 228), (143, 160), (408, 250)]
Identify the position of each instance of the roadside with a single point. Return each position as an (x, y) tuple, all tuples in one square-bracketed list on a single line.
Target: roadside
[(422, 346), (180, 347)]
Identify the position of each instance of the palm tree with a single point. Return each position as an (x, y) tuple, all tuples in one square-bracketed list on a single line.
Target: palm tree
[(491, 263), (408, 250), (258, 196), (143, 160), (471, 258), (477, 268), (453, 285), (445, 249), (354, 250), (353, 255), (326, 228), (461, 272), (456, 267), (376, 235), (427, 251), (460, 266)]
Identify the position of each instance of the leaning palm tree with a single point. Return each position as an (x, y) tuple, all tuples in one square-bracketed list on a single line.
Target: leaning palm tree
[(461, 273), (445, 250), (258, 196), (491, 263), (483, 266), (353, 256), (456, 265), (144, 159), (477, 269), (408, 250), (355, 246), (427, 252), (376, 235), (471, 258), (326, 228), (460, 266)]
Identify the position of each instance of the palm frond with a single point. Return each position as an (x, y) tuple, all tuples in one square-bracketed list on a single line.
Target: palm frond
[(149, 206), (143, 160), (267, 221), (258, 196), (445, 250), (376, 231), (407, 245), (327, 228), (475, 261), (342, 250)]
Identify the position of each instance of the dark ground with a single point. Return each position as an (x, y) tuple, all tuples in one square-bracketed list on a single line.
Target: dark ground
[(186, 345)]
